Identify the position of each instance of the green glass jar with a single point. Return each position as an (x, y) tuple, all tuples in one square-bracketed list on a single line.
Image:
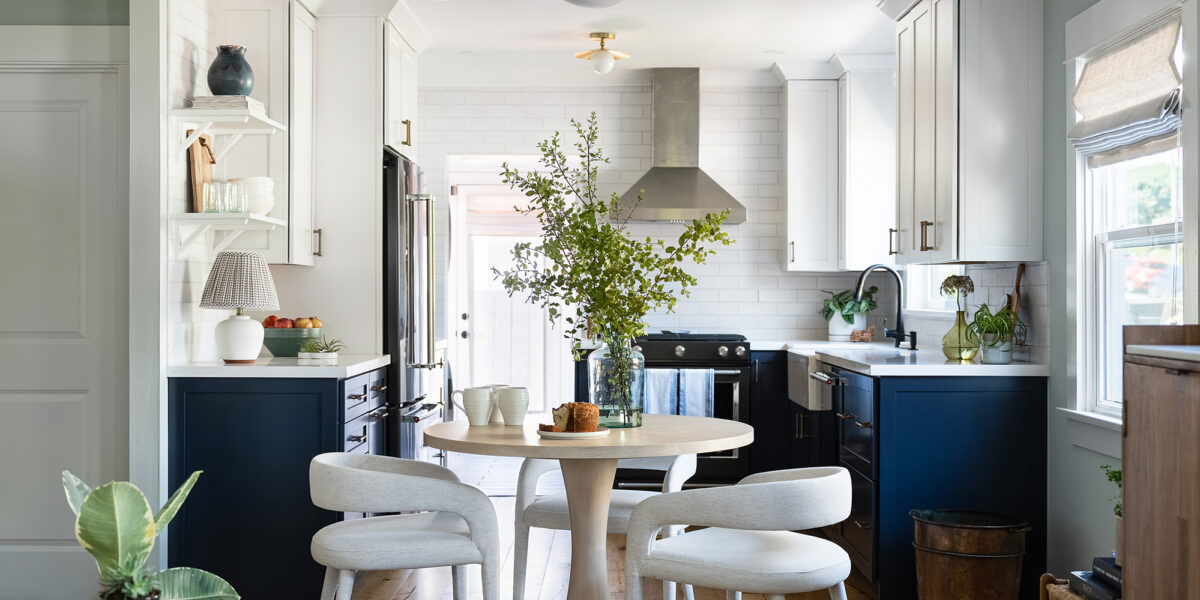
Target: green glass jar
[(960, 343)]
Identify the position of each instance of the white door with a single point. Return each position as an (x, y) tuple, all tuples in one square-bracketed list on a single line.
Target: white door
[(63, 314)]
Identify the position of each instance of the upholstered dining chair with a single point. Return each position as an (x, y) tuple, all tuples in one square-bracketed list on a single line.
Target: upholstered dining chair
[(551, 512), (750, 542), (453, 524)]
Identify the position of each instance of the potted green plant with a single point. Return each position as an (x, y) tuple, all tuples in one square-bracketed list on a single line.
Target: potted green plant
[(851, 314), (115, 525), (591, 275), (997, 332), (1114, 476), (960, 343), (320, 352)]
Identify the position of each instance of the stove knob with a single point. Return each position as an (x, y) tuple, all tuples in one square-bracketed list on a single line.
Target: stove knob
[(722, 351), (679, 350), (740, 351)]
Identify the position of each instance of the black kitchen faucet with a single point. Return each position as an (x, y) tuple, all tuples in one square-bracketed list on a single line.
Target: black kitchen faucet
[(897, 333)]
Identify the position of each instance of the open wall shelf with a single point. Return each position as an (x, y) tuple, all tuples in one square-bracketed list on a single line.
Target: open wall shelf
[(234, 122), (233, 224)]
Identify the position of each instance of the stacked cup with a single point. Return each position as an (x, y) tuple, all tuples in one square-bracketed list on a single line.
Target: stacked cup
[(260, 193)]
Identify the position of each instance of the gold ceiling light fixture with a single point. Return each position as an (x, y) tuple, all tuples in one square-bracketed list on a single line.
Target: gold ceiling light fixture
[(602, 58)]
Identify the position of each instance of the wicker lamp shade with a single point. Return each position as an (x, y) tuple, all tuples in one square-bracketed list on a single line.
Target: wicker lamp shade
[(240, 280)]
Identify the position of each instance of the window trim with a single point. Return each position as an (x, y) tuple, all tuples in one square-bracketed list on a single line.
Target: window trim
[(1094, 29)]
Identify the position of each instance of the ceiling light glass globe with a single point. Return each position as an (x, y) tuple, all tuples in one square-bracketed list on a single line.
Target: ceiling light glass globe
[(602, 61)]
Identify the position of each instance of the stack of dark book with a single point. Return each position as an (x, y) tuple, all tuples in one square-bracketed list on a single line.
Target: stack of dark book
[(1103, 582)]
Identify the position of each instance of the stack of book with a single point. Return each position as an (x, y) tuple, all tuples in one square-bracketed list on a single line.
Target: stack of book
[(1103, 582), (229, 102)]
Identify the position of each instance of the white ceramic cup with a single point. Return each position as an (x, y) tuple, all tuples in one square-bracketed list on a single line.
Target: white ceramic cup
[(477, 404), (513, 402), (497, 417)]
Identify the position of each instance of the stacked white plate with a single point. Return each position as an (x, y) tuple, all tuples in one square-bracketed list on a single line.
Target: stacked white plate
[(260, 193)]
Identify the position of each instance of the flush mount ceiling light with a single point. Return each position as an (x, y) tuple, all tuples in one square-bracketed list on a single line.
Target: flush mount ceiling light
[(602, 58), (594, 3)]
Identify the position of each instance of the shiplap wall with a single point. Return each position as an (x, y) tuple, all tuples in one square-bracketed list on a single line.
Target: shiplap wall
[(190, 333), (743, 289)]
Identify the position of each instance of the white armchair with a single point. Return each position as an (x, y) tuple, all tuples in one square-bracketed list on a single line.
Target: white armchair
[(551, 512), (457, 525), (750, 544)]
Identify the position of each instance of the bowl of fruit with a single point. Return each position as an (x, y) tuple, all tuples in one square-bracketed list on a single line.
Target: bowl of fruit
[(284, 337)]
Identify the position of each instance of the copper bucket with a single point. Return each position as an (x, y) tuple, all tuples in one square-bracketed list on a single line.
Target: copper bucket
[(968, 555)]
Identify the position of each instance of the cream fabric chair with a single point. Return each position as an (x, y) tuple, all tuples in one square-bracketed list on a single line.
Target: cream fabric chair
[(550, 511), (750, 544), (457, 528)]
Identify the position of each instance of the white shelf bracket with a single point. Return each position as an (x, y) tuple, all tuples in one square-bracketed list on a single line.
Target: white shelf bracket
[(233, 140), (196, 133), (195, 235), (230, 236)]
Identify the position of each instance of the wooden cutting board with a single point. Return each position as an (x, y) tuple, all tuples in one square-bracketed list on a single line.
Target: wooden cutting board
[(200, 168)]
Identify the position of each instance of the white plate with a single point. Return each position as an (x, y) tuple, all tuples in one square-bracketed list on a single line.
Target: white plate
[(600, 431)]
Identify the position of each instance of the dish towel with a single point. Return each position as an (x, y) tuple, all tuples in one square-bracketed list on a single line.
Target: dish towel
[(696, 392), (662, 389)]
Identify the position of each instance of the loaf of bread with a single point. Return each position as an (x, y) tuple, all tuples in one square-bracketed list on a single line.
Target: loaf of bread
[(576, 417)]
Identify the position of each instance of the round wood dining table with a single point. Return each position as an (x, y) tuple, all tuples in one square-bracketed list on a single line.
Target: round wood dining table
[(588, 468)]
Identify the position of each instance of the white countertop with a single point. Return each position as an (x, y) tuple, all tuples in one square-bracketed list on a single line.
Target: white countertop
[(878, 360), (1188, 353), (809, 347), (348, 365)]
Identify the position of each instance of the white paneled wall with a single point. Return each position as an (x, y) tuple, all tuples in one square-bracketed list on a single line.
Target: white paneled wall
[(191, 50), (744, 288)]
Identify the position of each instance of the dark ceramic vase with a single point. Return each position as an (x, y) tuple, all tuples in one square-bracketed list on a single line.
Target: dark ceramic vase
[(230, 74)]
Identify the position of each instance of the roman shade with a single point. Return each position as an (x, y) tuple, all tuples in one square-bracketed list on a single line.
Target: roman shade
[(1128, 98)]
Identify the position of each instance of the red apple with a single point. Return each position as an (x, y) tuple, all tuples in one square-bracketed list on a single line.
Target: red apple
[(269, 322), (283, 324), (302, 323)]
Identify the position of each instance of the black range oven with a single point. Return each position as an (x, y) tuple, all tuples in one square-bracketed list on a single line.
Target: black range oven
[(701, 374)]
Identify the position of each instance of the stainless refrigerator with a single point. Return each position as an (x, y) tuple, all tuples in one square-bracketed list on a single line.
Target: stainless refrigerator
[(409, 309)]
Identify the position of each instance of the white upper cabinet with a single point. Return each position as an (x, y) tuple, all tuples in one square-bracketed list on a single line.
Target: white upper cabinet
[(400, 93), (969, 131), (812, 175), (841, 155), (302, 230)]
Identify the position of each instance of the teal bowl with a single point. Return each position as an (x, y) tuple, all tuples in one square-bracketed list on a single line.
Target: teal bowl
[(286, 343)]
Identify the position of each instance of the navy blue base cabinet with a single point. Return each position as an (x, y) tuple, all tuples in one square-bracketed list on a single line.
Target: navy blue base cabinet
[(975, 443), (250, 518)]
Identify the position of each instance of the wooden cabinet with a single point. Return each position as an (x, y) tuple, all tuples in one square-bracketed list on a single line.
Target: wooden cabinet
[(280, 38), (400, 93), (969, 131), (1160, 461), (250, 518), (840, 177)]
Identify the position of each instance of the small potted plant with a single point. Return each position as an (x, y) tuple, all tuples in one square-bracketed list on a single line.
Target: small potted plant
[(997, 332), (320, 352), (851, 313), (1114, 475)]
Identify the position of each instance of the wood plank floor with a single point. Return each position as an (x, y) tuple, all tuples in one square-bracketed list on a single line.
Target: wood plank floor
[(549, 569)]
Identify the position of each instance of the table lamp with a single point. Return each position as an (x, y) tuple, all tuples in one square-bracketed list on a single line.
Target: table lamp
[(239, 280)]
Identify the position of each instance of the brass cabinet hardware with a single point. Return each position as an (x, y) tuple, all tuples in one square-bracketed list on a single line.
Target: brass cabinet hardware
[(407, 132), (357, 396), (861, 525), (358, 438), (379, 388), (320, 233), (892, 251), (846, 416), (379, 414), (863, 424), (925, 236)]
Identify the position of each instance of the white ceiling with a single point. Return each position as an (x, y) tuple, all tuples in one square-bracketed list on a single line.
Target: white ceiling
[(532, 42)]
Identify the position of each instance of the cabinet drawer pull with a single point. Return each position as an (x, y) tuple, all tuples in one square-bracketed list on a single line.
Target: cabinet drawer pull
[(925, 236), (380, 414), (357, 396), (379, 388), (792, 250), (891, 250), (863, 424), (357, 438), (861, 525), (407, 132), (846, 416), (320, 233)]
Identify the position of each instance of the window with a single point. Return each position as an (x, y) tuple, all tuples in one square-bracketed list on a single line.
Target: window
[(922, 284), (1131, 203)]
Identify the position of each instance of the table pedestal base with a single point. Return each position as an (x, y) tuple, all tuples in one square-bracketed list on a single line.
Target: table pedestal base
[(589, 488)]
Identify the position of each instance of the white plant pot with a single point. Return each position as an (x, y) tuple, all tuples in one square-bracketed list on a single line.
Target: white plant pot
[(317, 358), (991, 353), (840, 330), (1119, 551)]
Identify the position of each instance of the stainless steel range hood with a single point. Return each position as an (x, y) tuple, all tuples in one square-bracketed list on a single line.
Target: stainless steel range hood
[(675, 189)]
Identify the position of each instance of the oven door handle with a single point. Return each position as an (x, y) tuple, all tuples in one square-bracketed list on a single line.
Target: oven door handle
[(417, 417), (726, 372)]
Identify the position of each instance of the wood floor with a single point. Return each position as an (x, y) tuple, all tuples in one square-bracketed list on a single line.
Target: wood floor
[(549, 568)]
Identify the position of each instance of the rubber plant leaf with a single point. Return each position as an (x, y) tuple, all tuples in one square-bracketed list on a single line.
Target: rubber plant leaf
[(167, 512), (76, 491), (186, 583), (116, 526)]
